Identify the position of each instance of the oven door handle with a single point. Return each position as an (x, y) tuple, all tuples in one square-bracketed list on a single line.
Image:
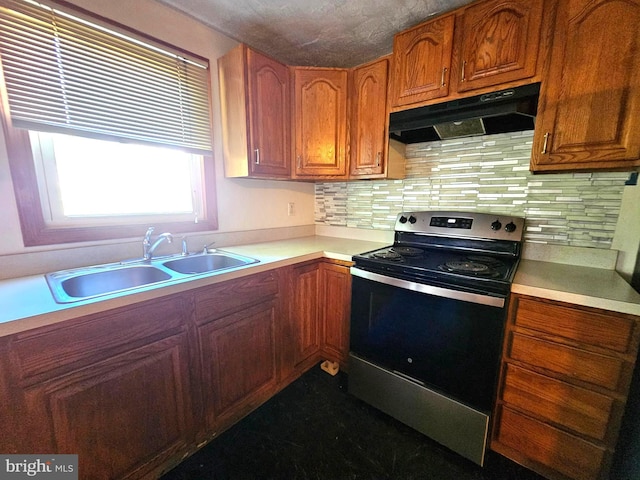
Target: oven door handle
[(429, 289)]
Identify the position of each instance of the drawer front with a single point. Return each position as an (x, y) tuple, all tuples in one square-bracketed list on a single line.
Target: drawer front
[(578, 409), (575, 363), (598, 329), (550, 446), (218, 300), (57, 349)]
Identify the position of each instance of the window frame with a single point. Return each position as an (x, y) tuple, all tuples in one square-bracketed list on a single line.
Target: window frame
[(35, 230)]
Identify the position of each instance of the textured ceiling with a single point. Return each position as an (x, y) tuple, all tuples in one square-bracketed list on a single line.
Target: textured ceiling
[(336, 33)]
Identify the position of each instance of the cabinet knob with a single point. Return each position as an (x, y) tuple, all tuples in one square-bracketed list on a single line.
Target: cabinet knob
[(544, 145)]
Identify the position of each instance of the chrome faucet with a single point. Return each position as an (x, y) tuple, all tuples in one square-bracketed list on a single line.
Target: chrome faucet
[(148, 248)]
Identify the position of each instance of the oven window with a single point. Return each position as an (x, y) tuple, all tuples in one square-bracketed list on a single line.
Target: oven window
[(449, 345)]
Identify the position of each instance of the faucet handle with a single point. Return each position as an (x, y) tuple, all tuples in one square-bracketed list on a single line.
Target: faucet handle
[(205, 250), (147, 236), (185, 247)]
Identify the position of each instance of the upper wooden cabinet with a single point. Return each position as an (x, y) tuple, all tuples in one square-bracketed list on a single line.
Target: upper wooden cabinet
[(254, 96), (422, 62), (320, 122), (590, 96), (495, 42), (368, 123)]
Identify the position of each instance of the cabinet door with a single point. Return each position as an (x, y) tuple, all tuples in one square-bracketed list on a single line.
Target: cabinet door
[(336, 310), (238, 354), (498, 43), (124, 416), (590, 97), (304, 312), (255, 114), (269, 116), (369, 119), (422, 62), (320, 105)]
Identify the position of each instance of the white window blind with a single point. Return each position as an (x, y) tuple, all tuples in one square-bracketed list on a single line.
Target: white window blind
[(65, 74)]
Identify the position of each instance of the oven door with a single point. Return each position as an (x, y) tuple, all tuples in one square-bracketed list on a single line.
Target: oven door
[(444, 339)]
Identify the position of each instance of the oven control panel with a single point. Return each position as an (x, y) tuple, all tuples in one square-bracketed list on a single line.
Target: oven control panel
[(462, 224), (451, 222)]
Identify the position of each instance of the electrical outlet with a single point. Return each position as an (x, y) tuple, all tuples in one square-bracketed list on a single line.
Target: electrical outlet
[(291, 209)]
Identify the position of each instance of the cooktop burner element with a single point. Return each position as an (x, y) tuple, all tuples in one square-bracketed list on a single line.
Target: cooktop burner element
[(387, 255), (470, 267), (407, 251)]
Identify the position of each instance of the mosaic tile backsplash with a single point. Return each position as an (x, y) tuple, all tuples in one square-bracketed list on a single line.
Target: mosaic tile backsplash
[(486, 174)]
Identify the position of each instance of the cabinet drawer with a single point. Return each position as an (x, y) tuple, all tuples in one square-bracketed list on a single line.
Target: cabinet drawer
[(572, 362), (61, 348), (550, 446), (598, 329), (220, 299), (576, 408)]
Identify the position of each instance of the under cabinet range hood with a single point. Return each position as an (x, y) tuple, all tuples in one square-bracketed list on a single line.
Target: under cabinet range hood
[(510, 110)]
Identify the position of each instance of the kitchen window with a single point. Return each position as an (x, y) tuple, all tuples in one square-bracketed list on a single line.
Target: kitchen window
[(107, 130), (77, 188)]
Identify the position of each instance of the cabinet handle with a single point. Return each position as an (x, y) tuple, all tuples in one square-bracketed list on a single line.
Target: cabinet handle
[(464, 64), (378, 155), (444, 72), (299, 159), (257, 150), (544, 145)]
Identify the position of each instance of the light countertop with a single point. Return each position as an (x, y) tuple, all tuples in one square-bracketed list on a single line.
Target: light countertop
[(587, 286), (27, 303)]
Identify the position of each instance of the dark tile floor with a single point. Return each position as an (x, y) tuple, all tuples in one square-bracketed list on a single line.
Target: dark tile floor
[(314, 430)]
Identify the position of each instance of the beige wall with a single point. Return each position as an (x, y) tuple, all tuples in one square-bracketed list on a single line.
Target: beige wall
[(243, 204), (627, 237)]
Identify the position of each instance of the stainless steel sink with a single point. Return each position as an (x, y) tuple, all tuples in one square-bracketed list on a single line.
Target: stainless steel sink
[(69, 286), (207, 262), (73, 285)]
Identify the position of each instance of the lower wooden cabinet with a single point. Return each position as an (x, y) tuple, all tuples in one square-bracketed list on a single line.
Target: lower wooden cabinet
[(319, 303), (124, 416), (125, 406), (335, 279), (304, 313), (237, 341), (134, 390), (238, 355), (564, 383)]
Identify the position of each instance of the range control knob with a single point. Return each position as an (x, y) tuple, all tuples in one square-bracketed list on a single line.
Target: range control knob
[(412, 219), (510, 227), (402, 219), (496, 225)]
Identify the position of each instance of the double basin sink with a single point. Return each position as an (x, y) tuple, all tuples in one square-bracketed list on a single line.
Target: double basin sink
[(78, 284)]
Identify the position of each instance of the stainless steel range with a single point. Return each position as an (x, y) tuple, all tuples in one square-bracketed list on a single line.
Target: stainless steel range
[(427, 323)]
